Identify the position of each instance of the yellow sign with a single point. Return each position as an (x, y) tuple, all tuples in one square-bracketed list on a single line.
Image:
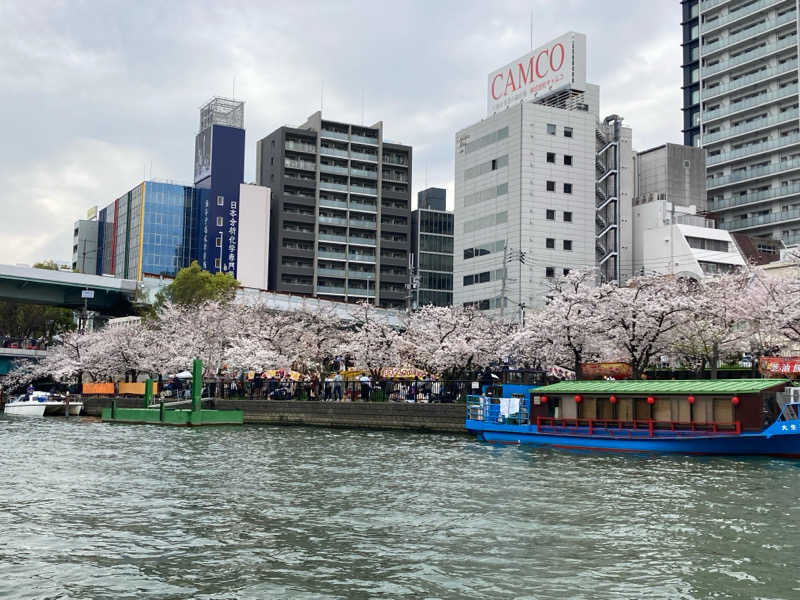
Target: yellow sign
[(91, 213)]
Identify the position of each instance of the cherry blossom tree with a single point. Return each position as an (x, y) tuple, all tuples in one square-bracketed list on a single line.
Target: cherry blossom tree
[(637, 320), (450, 341), (375, 344), (715, 324), (568, 329)]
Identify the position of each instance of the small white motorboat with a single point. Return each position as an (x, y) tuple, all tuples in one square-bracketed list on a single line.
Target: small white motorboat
[(39, 404), (24, 406)]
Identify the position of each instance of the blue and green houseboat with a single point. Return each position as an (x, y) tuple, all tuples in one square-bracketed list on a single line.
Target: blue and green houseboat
[(733, 416)]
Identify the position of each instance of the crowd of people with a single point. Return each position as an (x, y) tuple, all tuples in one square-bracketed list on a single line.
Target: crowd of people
[(24, 343)]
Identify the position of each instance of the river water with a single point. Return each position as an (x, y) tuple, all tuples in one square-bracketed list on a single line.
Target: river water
[(92, 510)]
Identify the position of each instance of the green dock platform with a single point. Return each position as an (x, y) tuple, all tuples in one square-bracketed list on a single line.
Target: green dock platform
[(179, 417)]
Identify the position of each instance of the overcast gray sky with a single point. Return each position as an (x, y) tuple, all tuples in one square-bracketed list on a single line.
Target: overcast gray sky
[(98, 94)]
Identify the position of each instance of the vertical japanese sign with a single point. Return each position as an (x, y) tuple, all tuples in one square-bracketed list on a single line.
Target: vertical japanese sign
[(233, 223)]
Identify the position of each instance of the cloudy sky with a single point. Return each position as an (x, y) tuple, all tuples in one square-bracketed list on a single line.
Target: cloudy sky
[(96, 95)]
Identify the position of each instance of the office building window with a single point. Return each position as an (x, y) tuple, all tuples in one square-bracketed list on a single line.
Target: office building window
[(567, 188), (550, 214), (219, 242), (567, 244), (217, 263), (220, 221), (568, 160), (220, 200), (567, 217), (551, 157), (549, 271), (551, 129), (550, 243), (567, 131), (551, 186)]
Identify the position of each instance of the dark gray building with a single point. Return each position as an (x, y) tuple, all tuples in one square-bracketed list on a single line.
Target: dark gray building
[(340, 211), (432, 249)]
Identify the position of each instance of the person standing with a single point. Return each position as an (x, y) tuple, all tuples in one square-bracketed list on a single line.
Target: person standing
[(365, 387), (337, 387)]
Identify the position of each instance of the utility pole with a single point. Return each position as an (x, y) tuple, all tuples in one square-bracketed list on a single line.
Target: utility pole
[(505, 276)]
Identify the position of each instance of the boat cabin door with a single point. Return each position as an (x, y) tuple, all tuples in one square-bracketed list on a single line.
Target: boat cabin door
[(546, 408)]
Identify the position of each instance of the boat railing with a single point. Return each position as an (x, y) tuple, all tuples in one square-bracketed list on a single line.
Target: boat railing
[(650, 425), (490, 410)]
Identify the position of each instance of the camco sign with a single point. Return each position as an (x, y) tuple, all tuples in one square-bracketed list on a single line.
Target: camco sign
[(559, 64)]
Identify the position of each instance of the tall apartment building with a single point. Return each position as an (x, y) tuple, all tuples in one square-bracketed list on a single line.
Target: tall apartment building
[(340, 211), (432, 249), (740, 88), (541, 185)]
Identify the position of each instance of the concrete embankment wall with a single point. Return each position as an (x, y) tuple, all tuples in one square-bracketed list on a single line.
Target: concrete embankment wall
[(446, 418)]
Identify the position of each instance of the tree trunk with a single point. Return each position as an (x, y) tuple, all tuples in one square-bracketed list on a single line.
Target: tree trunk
[(578, 358), (714, 360)]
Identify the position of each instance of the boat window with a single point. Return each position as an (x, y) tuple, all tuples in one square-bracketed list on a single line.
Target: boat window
[(789, 412)]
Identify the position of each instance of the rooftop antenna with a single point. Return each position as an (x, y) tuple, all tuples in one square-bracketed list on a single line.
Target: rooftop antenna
[(531, 30), (151, 168), (233, 94)]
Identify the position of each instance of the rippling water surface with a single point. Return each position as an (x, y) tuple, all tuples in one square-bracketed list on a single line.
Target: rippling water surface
[(91, 510)]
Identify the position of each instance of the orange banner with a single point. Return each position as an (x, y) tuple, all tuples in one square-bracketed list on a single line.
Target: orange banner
[(135, 389), (617, 370), (779, 366), (98, 388)]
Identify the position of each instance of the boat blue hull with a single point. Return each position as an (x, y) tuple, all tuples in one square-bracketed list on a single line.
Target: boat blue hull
[(762, 443)]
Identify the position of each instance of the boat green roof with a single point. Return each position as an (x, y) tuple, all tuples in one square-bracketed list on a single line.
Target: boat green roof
[(696, 387)]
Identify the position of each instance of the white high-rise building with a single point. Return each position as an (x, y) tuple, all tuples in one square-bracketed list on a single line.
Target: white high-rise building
[(740, 88), (541, 186)]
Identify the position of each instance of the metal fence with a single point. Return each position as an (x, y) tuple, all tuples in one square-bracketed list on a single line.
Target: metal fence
[(420, 391)]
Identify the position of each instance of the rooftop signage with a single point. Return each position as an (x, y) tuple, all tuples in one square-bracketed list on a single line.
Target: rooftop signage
[(559, 64)]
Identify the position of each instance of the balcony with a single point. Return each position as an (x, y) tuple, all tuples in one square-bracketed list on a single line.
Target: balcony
[(333, 152), (364, 173), (730, 132), (331, 290), (748, 33), (761, 220), (362, 206), (354, 291), (362, 223), (709, 4), (329, 185), (395, 177), (753, 150), (733, 108), (754, 173), (367, 258), (360, 275), (360, 189), (400, 161), (333, 169), (331, 255), (332, 237), (362, 241), (299, 147), (334, 135), (732, 17), (754, 197), (364, 139), (364, 156), (299, 164), (331, 272), (333, 220), (764, 75), (332, 203), (749, 56)]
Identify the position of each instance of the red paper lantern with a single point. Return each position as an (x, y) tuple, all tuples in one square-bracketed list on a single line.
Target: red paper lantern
[(651, 400), (543, 399), (690, 399), (612, 399), (578, 398), (735, 400)]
